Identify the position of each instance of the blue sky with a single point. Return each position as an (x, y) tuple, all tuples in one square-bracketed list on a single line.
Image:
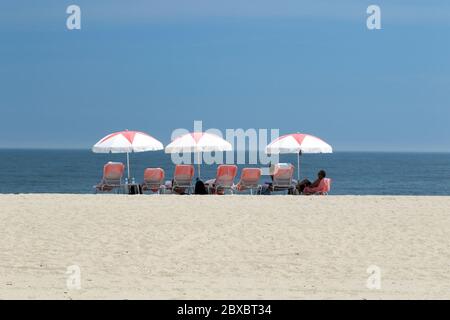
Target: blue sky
[(309, 66)]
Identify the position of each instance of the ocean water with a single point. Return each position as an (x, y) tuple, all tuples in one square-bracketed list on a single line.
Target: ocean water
[(353, 173)]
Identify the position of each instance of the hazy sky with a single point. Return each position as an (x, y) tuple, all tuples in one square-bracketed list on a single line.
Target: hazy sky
[(309, 66)]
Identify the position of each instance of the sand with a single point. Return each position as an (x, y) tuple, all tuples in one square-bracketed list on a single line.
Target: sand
[(224, 247)]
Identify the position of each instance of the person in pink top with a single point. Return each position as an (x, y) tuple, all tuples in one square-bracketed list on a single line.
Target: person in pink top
[(308, 187)]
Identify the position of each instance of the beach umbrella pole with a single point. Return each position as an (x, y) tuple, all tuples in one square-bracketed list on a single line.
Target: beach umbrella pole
[(298, 165), (198, 163), (128, 166)]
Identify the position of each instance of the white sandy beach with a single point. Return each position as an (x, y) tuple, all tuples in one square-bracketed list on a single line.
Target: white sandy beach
[(215, 247)]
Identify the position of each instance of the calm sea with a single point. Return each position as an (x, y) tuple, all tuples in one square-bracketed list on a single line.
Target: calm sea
[(76, 171)]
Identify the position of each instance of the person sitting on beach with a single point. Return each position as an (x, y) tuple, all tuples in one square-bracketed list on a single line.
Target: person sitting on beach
[(307, 187)]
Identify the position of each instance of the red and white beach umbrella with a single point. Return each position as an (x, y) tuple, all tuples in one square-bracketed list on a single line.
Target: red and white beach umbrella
[(298, 143), (198, 142), (127, 142)]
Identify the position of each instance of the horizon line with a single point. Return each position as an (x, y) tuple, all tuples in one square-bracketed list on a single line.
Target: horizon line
[(334, 151)]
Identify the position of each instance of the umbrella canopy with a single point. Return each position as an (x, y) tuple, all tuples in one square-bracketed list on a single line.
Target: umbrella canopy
[(126, 142), (298, 143), (197, 142)]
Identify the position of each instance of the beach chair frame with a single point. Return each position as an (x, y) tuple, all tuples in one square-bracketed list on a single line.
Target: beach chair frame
[(185, 183), (108, 185), (149, 185), (325, 188), (244, 185), (222, 183), (283, 184)]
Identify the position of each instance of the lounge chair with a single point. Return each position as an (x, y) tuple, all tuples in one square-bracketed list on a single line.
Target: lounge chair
[(224, 179), (322, 189), (112, 177), (282, 178), (249, 180), (153, 180), (182, 178)]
